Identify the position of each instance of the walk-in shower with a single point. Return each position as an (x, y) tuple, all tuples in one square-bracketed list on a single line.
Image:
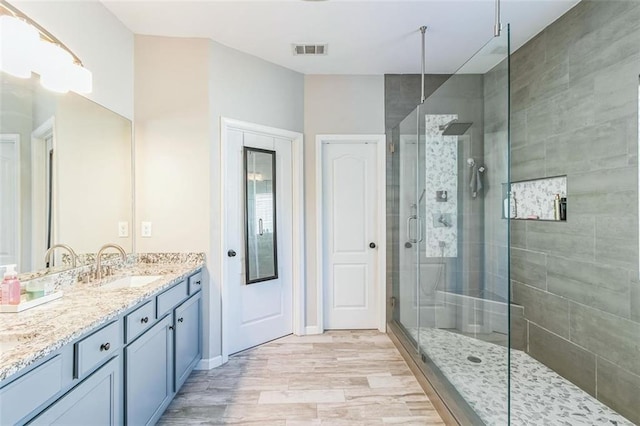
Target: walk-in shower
[(450, 256)]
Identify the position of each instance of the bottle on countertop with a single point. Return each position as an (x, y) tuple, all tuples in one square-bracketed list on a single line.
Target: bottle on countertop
[(10, 286), (556, 207)]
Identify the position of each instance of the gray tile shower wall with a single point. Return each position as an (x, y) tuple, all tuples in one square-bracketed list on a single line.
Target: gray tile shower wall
[(574, 111)]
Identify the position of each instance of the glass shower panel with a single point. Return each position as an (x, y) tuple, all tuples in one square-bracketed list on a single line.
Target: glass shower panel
[(464, 327), (453, 288)]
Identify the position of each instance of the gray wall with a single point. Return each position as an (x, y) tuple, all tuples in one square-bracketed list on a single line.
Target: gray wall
[(575, 111)]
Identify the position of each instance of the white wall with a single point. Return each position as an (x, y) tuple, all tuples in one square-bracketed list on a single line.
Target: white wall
[(172, 134), (333, 104), (100, 40)]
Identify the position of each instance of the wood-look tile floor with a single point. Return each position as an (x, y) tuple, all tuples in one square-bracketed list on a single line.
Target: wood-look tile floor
[(337, 378)]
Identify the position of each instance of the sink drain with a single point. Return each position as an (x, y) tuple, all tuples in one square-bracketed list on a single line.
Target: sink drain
[(474, 359)]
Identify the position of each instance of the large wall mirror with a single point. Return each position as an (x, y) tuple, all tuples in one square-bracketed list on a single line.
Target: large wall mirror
[(261, 252), (66, 174)]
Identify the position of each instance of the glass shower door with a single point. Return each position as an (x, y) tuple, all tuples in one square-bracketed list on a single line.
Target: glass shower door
[(408, 229)]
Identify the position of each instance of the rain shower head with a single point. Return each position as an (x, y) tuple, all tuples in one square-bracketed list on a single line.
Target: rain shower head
[(454, 128)]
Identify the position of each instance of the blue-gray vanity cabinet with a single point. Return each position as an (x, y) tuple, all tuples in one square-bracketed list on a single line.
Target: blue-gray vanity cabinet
[(94, 401), (149, 374), (42, 382), (195, 282), (188, 345)]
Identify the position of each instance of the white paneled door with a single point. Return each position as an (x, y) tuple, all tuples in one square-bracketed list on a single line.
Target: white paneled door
[(260, 311), (350, 240), (10, 200)]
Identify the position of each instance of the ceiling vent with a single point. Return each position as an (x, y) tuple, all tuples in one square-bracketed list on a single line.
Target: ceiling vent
[(309, 49)]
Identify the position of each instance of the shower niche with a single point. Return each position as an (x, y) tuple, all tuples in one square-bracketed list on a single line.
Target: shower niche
[(543, 199)]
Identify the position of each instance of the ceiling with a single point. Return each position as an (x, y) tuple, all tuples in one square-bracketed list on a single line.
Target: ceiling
[(364, 37)]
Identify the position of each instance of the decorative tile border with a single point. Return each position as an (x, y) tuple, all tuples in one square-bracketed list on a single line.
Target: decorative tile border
[(441, 174)]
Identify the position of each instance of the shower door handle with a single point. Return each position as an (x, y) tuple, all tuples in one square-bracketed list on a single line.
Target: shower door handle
[(409, 219), (420, 236)]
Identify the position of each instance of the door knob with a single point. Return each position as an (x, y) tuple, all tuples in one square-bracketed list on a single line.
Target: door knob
[(372, 245), (231, 253)]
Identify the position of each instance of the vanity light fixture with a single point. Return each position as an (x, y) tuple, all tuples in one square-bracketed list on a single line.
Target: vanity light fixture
[(255, 176), (27, 47)]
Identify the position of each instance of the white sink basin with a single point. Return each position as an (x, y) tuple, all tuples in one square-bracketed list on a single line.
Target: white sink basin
[(132, 281)]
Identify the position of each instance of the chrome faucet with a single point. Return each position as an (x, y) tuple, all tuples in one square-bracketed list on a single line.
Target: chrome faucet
[(99, 257), (47, 255)]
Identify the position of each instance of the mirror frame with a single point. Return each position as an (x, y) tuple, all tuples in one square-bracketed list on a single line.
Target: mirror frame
[(246, 152)]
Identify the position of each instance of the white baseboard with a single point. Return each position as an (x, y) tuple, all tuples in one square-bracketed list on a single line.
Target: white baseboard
[(312, 329), (209, 363)]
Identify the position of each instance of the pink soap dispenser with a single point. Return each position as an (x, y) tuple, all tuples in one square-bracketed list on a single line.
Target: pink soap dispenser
[(10, 287)]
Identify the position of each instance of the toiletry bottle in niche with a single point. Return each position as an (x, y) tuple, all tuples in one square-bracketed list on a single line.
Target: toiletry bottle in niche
[(505, 206), (10, 286), (556, 207), (513, 205), (563, 208)]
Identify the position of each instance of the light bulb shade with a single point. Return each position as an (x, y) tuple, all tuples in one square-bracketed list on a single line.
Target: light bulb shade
[(18, 43), (54, 67), (81, 79)]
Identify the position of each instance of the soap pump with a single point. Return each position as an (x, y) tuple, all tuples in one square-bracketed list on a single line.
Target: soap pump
[(556, 208), (10, 286)]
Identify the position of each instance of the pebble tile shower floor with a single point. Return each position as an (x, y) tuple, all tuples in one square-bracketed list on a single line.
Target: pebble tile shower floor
[(340, 377), (539, 396)]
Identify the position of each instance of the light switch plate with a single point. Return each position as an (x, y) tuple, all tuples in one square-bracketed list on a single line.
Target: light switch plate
[(146, 229), (123, 229)]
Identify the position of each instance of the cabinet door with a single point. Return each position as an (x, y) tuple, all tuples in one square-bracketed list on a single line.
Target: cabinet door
[(96, 400), (188, 342), (149, 374)]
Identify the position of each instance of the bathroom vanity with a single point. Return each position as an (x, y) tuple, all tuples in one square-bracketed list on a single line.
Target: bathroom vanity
[(103, 354)]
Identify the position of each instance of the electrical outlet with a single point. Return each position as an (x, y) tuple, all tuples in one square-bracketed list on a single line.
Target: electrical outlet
[(123, 229), (146, 229)]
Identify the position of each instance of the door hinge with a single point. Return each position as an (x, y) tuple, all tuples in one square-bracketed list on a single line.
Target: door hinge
[(392, 148)]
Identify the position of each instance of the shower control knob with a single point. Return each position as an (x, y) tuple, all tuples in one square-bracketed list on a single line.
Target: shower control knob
[(231, 253), (372, 245)]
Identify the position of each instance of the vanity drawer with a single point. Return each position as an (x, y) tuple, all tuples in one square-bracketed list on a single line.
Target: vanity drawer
[(30, 391), (195, 282), (97, 348), (171, 298), (139, 320)]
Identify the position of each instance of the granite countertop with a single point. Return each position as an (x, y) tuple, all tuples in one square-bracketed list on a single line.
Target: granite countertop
[(28, 336)]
